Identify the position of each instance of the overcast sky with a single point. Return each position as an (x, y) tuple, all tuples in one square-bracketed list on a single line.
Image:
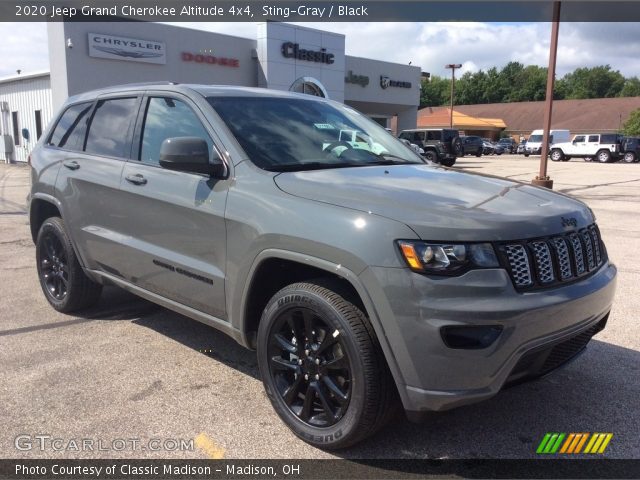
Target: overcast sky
[(429, 45)]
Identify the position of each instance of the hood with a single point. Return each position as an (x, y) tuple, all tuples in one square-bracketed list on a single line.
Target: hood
[(441, 204)]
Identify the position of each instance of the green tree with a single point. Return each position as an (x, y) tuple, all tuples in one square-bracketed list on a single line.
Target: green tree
[(470, 88), (596, 82), (631, 127), (631, 88), (435, 93), (531, 85)]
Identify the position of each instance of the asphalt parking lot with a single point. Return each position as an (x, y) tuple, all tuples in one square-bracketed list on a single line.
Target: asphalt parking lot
[(128, 369)]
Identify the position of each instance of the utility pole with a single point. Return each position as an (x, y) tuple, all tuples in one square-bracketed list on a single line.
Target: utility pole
[(543, 180), (453, 67)]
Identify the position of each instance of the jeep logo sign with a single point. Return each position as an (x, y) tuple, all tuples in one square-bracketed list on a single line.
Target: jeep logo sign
[(128, 49), (386, 82), (361, 80)]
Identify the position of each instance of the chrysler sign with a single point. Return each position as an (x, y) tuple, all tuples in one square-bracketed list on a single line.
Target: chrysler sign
[(129, 49)]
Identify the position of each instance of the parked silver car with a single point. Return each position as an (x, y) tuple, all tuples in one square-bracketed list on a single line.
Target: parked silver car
[(360, 273)]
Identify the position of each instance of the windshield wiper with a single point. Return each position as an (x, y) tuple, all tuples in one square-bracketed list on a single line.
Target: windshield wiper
[(388, 159), (299, 167)]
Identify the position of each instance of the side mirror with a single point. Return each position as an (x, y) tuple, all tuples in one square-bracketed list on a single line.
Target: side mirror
[(190, 154), (25, 134)]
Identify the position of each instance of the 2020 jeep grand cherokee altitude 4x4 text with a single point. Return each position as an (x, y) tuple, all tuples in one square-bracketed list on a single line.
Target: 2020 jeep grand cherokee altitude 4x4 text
[(362, 276)]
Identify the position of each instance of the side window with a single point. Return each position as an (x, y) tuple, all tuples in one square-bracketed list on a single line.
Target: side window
[(579, 138), (168, 118), (431, 135), (69, 131), (109, 127), (406, 136), (594, 138)]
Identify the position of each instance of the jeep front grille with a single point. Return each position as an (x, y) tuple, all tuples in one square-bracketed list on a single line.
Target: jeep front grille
[(553, 260)]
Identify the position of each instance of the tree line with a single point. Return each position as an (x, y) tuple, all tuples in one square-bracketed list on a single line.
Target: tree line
[(516, 82)]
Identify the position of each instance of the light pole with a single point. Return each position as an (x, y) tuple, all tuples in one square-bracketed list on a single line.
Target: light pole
[(543, 180), (453, 67)]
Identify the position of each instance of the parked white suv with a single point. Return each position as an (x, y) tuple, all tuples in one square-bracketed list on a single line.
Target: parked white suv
[(604, 147)]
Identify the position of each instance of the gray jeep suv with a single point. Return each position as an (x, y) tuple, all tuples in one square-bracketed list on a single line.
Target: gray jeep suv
[(364, 277)]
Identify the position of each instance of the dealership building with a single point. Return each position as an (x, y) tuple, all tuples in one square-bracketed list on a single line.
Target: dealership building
[(86, 56)]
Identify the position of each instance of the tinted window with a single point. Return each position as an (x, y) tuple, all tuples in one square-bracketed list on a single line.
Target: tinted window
[(168, 118), (608, 138), (110, 127), (433, 135), (593, 138), (70, 129)]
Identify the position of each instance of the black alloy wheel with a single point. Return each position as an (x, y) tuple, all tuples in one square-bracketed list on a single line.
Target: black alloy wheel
[(309, 367), (66, 286), (54, 269), (322, 366)]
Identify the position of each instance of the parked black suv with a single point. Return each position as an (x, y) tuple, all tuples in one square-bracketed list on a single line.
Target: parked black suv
[(472, 145), (440, 145), (630, 149), (509, 145)]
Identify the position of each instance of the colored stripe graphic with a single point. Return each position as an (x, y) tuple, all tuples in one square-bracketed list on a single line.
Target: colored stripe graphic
[(573, 443)]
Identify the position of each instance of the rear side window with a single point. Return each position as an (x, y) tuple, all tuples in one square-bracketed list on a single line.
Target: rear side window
[(608, 138), (448, 135), (108, 132), (69, 131), (168, 118), (433, 135), (593, 138)]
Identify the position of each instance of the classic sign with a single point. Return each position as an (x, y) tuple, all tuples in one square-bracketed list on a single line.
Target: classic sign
[(293, 50)]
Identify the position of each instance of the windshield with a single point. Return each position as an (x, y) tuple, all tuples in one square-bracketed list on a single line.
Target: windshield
[(281, 134), (538, 139)]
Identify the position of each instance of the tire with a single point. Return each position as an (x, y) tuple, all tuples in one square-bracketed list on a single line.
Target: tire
[(630, 157), (65, 285), (557, 155), (448, 162), (604, 156), (588, 159), (456, 146), (431, 156), (526, 154), (350, 400), (479, 153)]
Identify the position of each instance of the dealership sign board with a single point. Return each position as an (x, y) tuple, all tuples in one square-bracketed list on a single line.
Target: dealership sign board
[(129, 49)]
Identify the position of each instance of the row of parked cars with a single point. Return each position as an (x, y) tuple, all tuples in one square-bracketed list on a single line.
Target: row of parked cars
[(601, 147), (444, 146)]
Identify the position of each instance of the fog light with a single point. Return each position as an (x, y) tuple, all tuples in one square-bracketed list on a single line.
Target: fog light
[(470, 337)]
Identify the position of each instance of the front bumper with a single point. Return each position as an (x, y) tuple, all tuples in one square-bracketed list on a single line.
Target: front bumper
[(431, 376)]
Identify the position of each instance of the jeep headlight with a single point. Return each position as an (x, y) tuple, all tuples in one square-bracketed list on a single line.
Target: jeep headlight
[(447, 258)]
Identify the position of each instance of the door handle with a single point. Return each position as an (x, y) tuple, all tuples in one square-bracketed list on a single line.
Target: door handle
[(136, 179), (71, 165)]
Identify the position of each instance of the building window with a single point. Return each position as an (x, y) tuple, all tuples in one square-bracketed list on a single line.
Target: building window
[(16, 128), (38, 124), (309, 86)]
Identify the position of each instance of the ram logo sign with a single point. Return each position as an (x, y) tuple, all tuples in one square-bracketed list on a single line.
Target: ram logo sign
[(129, 49)]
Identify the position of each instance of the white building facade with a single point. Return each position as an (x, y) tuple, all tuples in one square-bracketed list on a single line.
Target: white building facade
[(86, 56)]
